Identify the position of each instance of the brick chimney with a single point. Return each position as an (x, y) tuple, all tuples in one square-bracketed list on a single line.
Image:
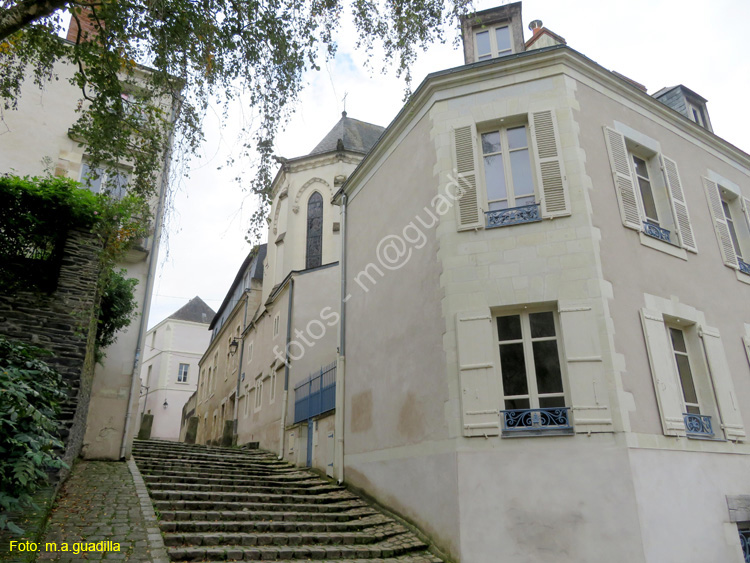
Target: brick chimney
[(89, 26)]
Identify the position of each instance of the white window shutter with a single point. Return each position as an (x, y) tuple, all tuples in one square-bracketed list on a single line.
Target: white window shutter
[(480, 394), (624, 182), (589, 393), (468, 209), (720, 223), (679, 205), (746, 341), (663, 371), (555, 199), (746, 209), (729, 408)]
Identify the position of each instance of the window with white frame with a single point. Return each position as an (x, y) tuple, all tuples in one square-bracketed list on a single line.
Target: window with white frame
[(250, 352), (649, 191), (530, 360), (684, 371), (276, 326), (182, 373), (507, 171), (258, 392), (272, 390), (515, 175), (531, 372), (731, 215), (692, 381), (491, 43), (697, 114), (112, 182)]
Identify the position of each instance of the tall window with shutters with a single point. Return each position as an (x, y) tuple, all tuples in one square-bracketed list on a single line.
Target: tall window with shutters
[(731, 216), (693, 384), (531, 373), (516, 175), (649, 192)]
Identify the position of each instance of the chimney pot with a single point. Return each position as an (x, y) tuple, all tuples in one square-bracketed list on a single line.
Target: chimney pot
[(536, 26)]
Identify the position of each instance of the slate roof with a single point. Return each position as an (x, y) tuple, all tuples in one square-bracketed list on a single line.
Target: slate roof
[(355, 135), (195, 311), (256, 273)]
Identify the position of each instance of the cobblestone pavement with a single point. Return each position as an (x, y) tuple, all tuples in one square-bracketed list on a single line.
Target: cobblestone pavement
[(98, 503)]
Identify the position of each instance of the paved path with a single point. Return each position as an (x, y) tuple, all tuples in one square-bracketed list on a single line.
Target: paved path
[(100, 503)]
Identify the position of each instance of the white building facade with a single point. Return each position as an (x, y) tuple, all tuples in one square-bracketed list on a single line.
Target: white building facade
[(169, 371)]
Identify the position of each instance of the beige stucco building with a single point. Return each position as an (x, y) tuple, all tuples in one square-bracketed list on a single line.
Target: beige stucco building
[(169, 370), (36, 142), (281, 376), (547, 323)]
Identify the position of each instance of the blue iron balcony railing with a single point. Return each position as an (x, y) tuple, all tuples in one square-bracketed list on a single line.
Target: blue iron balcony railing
[(656, 231), (698, 425), (316, 394), (513, 216), (744, 267), (745, 544), (537, 421)]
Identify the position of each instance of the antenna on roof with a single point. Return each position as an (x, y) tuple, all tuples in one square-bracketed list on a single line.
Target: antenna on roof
[(343, 113)]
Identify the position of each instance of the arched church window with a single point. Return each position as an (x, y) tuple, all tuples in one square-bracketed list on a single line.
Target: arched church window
[(314, 230)]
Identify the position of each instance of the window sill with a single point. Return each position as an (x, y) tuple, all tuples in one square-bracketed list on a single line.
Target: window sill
[(537, 432), (744, 278), (662, 246)]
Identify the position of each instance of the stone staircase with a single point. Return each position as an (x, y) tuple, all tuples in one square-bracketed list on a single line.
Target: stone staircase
[(222, 504)]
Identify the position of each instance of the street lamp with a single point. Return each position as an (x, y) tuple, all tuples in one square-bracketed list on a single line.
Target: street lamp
[(165, 405), (233, 345)]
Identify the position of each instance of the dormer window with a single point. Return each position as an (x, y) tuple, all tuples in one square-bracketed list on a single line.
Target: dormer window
[(695, 112), (493, 43), (492, 33), (687, 102)]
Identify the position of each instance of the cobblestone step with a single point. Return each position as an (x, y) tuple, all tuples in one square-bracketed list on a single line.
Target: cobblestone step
[(359, 537), (240, 488), (385, 549), (252, 498), (270, 463), (270, 516), (251, 526), (220, 468), (300, 478), (182, 447), (412, 558), (219, 504), (258, 506)]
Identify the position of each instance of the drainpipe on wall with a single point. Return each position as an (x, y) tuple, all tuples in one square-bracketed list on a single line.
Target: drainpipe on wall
[(135, 376), (284, 406), (236, 421), (341, 358)]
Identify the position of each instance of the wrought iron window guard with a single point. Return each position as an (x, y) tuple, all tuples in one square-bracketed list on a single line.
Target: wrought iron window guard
[(698, 425), (656, 232), (536, 421), (744, 267), (513, 216), (745, 544)]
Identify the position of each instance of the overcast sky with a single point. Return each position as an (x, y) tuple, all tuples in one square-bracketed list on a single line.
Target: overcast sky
[(655, 42)]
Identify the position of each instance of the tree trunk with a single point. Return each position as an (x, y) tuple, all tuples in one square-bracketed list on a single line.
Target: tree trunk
[(26, 12)]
